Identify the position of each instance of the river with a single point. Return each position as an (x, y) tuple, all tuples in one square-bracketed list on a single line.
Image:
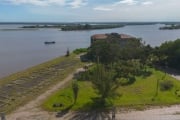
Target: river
[(20, 49)]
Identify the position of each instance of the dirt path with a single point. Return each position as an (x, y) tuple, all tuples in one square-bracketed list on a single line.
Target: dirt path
[(165, 113), (32, 111), (176, 76)]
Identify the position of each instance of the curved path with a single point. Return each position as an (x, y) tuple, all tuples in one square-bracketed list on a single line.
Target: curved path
[(32, 111)]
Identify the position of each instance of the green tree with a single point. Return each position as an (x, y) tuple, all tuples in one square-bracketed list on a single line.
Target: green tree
[(104, 82), (113, 49), (75, 89), (104, 51), (169, 54)]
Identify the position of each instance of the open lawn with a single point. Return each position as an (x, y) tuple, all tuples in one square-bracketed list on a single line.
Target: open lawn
[(139, 95)]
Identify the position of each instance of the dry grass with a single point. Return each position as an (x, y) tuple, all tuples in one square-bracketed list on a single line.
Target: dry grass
[(19, 88)]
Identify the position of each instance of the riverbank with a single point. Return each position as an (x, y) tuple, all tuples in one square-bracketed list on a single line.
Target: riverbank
[(33, 111), (19, 88)]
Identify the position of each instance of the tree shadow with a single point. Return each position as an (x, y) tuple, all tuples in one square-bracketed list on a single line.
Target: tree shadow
[(64, 111), (97, 110), (84, 58), (146, 73), (168, 70), (92, 115)]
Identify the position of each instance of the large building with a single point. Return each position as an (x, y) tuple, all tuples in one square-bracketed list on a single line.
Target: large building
[(111, 37)]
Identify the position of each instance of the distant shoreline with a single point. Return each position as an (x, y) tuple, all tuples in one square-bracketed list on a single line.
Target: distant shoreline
[(170, 27), (17, 29), (74, 27)]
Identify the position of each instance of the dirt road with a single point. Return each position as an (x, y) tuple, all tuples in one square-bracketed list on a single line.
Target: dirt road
[(32, 111), (165, 113)]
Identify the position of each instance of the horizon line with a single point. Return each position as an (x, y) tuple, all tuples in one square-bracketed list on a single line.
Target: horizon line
[(51, 22)]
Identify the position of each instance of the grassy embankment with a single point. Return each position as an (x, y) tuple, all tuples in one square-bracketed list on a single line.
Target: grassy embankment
[(138, 95), (19, 88)]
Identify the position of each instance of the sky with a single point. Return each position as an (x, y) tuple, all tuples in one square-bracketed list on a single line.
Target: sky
[(89, 10)]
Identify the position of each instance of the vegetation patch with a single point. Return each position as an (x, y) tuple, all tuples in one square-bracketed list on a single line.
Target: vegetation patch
[(65, 96), (166, 85), (124, 74), (80, 50), (170, 27), (138, 95)]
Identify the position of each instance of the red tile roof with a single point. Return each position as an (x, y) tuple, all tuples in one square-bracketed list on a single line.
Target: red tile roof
[(125, 36), (104, 36), (99, 36)]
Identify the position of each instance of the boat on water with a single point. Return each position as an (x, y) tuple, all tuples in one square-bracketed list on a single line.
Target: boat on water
[(49, 42)]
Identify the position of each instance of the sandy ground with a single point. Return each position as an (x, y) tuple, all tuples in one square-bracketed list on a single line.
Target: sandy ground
[(166, 113), (176, 76), (32, 111)]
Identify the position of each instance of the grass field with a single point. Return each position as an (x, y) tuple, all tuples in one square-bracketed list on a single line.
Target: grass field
[(19, 88), (138, 95)]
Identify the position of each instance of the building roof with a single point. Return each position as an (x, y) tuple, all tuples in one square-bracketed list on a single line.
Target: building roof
[(99, 36), (125, 36), (104, 36)]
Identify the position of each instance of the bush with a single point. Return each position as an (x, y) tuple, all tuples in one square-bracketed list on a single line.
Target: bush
[(126, 81), (166, 85), (82, 76), (80, 50)]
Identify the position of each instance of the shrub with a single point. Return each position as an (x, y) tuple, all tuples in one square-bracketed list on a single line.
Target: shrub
[(81, 76), (80, 50), (75, 89), (126, 81), (166, 85)]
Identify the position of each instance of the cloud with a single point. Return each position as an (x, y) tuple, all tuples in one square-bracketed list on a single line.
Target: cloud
[(77, 3), (147, 3), (101, 8), (36, 2), (71, 3), (128, 2), (112, 6)]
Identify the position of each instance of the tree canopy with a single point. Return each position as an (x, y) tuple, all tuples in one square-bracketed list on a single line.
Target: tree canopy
[(169, 54), (104, 81), (113, 50)]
